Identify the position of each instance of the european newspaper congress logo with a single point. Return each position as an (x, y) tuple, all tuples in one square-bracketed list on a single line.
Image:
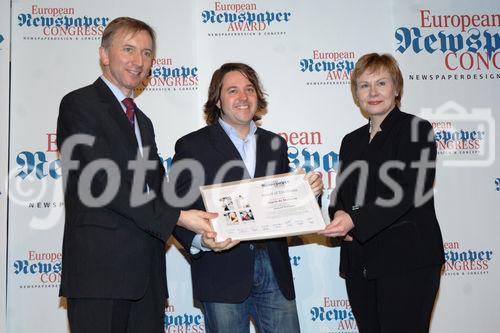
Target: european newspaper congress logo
[(337, 313), (322, 68), (466, 43), (497, 184), (178, 322), (466, 261), (244, 19), (167, 75), (463, 138), (1, 39), (37, 269), (60, 23)]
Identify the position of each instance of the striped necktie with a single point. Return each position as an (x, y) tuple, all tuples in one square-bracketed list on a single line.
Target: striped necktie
[(129, 107)]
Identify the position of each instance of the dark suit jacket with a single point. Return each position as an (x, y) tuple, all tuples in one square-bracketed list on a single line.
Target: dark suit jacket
[(109, 251), (405, 235), (228, 276)]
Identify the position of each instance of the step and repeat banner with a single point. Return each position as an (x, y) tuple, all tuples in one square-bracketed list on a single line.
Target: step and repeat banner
[(304, 52), (4, 148)]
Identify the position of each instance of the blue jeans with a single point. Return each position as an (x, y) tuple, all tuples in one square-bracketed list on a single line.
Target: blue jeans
[(271, 311)]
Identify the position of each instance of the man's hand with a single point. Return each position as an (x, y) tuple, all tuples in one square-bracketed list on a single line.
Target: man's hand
[(208, 240), (315, 180), (339, 227), (197, 221)]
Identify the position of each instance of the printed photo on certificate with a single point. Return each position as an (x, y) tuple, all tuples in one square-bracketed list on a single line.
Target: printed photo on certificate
[(260, 208)]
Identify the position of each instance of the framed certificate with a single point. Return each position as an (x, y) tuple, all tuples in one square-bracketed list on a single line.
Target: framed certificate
[(260, 208)]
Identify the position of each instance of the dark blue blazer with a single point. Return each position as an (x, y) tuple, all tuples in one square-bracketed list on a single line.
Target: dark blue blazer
[(228, 276), (110, 251)]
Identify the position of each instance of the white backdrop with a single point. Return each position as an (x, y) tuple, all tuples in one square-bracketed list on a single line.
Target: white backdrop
[(304, 57), (4, 148)]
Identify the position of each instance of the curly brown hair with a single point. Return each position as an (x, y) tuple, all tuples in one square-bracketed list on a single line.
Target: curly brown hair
[(212, 112)]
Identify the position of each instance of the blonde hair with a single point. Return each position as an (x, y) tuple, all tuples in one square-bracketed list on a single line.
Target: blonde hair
[(374, 62), (125, 25)]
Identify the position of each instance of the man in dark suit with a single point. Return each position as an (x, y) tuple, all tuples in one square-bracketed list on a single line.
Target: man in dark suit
[(117, 220), (236, 280)]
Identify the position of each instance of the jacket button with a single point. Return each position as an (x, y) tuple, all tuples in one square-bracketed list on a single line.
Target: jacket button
[(251, 247)]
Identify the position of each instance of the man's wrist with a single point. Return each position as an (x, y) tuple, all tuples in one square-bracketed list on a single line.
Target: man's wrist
[(197, 245)]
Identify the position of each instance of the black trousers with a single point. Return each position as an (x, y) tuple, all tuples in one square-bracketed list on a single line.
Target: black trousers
[(92, 315), (400, 303)]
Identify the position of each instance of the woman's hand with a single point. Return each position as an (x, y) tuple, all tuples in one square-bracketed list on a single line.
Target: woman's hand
[(339, 227)]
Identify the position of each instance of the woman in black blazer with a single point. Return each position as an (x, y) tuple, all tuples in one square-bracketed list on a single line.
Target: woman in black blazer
[(383, 207)]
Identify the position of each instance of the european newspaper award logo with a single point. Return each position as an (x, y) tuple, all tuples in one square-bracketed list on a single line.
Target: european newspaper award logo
[(244, 19), (337, 312), (322, 68)]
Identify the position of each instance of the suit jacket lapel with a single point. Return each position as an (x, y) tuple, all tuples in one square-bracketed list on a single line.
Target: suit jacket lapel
[(115, 110), (147, 141), (262, 152), (386, 127), (223, 144), (360, 146), (146, 136)]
